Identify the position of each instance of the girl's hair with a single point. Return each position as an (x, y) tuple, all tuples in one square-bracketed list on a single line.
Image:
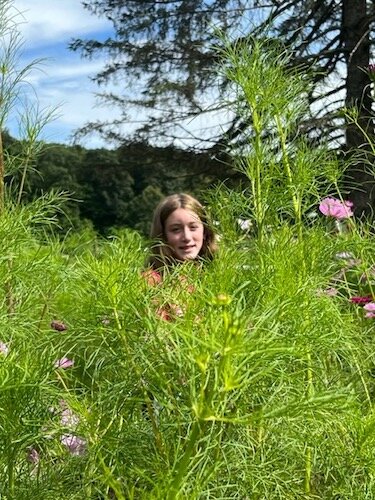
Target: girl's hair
[(162, 255)]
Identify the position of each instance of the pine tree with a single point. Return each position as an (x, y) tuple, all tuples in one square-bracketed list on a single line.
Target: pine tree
[(164, 53)]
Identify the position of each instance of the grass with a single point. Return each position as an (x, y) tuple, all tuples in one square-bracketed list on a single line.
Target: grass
[(260, 387)]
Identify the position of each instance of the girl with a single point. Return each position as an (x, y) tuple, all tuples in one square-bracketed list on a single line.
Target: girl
[(181, 229)]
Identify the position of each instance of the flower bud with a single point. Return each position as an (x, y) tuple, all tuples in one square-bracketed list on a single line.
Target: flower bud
[(58, 326)]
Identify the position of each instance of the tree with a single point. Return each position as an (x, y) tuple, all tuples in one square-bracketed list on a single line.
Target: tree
[(166, 49), (335, 39), (356, 23)]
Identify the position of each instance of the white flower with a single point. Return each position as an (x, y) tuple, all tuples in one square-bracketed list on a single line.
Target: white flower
[(245, 224), (344, 255), (4, 349)]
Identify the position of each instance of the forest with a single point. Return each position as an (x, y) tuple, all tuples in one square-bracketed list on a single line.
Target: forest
[(247, 375), (115, 188)]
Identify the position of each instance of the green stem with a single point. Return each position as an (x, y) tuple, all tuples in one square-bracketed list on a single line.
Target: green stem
[(308, 468), (308, 453), (24, 172), (182, 466), (288, 171), (257, 177)]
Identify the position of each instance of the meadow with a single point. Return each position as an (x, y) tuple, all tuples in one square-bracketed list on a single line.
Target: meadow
[(261, 387)]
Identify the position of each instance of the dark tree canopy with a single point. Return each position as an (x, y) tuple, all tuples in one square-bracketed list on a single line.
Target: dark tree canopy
[(163, 53), (110, 189)]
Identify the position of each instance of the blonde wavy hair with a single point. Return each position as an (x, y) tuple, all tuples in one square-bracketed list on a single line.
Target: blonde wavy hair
[(162, 254)]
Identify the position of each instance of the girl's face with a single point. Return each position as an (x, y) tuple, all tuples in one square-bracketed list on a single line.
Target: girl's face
[(184, 233)]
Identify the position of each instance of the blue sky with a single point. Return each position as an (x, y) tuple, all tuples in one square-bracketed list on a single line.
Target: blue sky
[(47, 27), (63, 79)]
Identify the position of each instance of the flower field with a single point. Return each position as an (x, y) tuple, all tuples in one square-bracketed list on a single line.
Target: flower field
[(249, 377), (261, 387)]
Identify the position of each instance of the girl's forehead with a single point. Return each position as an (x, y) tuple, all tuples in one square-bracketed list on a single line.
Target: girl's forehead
[(183, 216)]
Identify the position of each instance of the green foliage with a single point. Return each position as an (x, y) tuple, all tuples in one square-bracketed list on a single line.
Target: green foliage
[(108, 188), (217, 403), (287, 176), (236, 378)]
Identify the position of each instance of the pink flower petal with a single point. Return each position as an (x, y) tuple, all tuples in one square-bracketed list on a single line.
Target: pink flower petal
[(75, 444), (69, 419), (361, 300), (64, 363), (332, 207), (152, 277)]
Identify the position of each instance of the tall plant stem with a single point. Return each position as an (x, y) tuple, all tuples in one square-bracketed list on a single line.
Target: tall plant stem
[(289, 175), (181, 467), (26, 164), (256, 178), (308, 453)]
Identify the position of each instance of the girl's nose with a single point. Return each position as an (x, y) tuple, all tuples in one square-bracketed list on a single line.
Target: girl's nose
[(187, 234)]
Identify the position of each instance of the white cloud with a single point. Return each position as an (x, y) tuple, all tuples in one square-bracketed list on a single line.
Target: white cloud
[(63, 79), (64, 70), (56, 20)]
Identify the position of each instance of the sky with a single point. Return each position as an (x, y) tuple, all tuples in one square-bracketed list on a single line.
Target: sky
[(62, 80)]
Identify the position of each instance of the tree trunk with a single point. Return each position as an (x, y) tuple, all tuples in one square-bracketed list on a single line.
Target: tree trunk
[(2, 175), (356, 39)]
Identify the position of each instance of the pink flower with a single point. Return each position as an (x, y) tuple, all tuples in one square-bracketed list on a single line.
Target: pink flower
[(332, 207), (164, 314), (75, 444), (370, 308), (64, 363), (361, 300), (4, 349), (169, 312)]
